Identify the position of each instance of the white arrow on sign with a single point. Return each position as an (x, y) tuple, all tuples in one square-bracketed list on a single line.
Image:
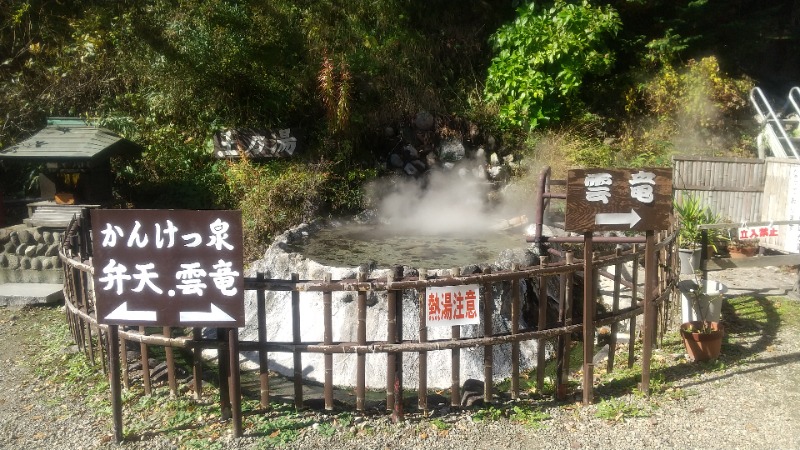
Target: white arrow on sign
[(123, 313), (617, 218), (216, 315)]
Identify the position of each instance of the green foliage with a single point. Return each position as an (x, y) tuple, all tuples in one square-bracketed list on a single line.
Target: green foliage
[(440, 424), (529, 416), (522, 412), (490, 413), (695, 109), (273, 197), (543, 57), (691, 213), (617, 409)]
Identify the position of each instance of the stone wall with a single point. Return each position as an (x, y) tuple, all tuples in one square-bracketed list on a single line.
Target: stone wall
[(30, 255), (280, 264)]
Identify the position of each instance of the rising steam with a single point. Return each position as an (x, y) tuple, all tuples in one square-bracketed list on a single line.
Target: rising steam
[(459, 201)]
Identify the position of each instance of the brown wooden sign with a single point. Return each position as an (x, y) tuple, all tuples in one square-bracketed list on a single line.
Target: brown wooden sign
[(168, 267), (618, 199)]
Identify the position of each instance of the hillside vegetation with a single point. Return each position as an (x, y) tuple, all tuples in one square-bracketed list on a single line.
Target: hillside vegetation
[(625, 82)]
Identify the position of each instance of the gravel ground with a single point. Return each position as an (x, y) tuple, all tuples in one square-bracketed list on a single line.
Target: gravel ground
[(747, 404)]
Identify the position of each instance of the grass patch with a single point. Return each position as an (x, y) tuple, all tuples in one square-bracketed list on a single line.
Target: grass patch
[(752, 324), (618, 409)]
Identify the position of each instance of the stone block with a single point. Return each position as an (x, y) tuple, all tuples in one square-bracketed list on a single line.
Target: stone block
[(25, 237), (52, 250)]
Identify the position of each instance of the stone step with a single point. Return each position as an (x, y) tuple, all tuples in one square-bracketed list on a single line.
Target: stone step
[(17, 295)]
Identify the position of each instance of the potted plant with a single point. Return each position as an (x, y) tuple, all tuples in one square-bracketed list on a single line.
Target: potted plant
[(743, 248), (702, 333), (691, 213)]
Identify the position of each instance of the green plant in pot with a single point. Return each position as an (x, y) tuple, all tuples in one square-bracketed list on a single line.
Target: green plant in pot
[(691, 214), (702, 336)]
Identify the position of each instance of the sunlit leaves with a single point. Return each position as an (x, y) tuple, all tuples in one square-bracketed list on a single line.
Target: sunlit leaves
[(543, 56)]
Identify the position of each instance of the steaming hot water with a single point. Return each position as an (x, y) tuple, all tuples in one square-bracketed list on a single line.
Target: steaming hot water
[(353, 244), (440, 223)]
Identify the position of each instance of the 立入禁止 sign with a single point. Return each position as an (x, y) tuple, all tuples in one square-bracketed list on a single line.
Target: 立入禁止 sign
[(168, 267), (757, 232), (452, 305)]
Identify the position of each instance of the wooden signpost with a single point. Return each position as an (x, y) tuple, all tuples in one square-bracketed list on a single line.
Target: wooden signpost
[(170, 268), (604, 199)]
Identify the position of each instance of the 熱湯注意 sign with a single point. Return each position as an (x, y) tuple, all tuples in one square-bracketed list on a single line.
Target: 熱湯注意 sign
[(452, 305)]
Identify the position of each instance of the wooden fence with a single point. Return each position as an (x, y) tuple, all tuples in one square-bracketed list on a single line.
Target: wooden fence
[(558, 320), (732, 187), (744, 190)]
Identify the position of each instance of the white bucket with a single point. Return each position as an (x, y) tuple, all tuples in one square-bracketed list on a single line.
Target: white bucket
[(708, 306)]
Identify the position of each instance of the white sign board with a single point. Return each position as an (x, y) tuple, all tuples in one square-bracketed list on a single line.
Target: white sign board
[(793, 210), (452, 305)]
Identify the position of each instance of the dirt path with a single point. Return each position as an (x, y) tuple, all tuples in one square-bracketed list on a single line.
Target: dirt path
[(747, 400)]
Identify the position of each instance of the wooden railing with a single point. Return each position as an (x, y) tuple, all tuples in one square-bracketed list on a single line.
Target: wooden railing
[(569, 314)]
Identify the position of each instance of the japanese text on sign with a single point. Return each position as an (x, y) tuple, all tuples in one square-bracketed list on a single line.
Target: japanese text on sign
[(189, 278), (168, 267), (598, 186), (452, 305), (605, 199), (757, 232)]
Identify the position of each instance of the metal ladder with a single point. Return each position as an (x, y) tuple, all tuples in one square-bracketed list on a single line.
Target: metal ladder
[(774, 134)]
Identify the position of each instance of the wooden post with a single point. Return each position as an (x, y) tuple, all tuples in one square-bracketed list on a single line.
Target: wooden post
[(634, 300), (565, 341), (397, 414), (515, 314), (488, 355), (423, 355), (197, 363), (391, 335), (263, 357), (455, 359), (612, 344), (170, 355), (361, 336), (649, 284), (541, 361), (223, 361), (588, 319), (123, 352), (113, 380), (235, 381), (297, 355), (327, 339), (145, 353)]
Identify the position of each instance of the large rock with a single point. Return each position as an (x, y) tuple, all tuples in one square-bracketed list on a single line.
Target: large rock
[(278, 263), (424, 121), (452, 150)]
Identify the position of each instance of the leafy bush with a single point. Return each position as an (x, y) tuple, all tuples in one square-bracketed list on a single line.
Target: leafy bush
[(273, 197), (543, 56), (691, 109)]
